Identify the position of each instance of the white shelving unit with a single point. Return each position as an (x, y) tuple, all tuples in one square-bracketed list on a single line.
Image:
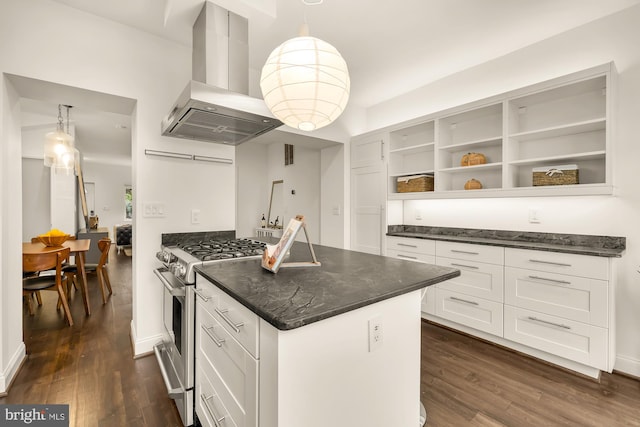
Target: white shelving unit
[(411, 152), (566, 120)]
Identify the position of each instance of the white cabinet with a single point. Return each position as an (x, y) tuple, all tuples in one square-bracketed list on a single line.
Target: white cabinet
[(368, 194), (478, 313), (555, 306), (411, 152), (418, 250), (561, 125), (475, 297), (566, 120), (227, 359), (476, 130), (563, 307)]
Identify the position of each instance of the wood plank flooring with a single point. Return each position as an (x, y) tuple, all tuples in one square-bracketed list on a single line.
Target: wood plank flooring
[(468, 382), (90, 365), (464, 381)]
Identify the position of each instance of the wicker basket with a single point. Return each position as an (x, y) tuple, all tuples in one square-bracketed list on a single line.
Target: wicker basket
[(556, 175), (415, 183)]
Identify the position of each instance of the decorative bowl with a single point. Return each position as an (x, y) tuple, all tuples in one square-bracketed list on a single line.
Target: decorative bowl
[(53, 240)]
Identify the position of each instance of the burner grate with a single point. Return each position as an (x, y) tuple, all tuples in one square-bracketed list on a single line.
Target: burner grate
[(212, 250)]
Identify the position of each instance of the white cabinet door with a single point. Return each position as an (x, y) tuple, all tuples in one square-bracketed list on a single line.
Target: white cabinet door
[(477, 313), (575, 341), (476, 278), (368, 194), (576, 298)]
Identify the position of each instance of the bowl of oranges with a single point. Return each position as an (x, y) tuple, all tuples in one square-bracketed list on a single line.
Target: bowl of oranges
[(54, 237)]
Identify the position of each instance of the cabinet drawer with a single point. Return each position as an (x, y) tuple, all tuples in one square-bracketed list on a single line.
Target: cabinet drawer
[(407, 244), (476, 278), (411, 256), (554, 262), (576, 341), (209, 405), (471, 311), (230, 369), (576, 298), (470, 252), (238, 320)]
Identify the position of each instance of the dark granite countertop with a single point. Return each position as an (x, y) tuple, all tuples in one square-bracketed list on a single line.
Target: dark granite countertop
[(298, 296), (604, 246)]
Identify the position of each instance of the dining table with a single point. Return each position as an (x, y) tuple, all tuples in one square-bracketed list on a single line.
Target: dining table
[(78, 248)]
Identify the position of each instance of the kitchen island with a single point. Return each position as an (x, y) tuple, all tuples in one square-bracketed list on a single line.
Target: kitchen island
[(336, 345)]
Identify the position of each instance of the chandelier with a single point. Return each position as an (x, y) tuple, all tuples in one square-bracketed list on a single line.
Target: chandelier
[(59, 152), (305, 82)]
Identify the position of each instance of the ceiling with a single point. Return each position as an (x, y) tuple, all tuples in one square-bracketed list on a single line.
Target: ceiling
[(391, 47)]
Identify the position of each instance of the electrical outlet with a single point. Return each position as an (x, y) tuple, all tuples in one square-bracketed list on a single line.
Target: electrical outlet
[(195, 216), (375, 333), (418, 214), (534, 215)]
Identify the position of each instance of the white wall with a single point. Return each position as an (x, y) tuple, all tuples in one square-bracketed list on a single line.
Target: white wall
[(108, 58), (36, 198), (332, 209), (610, 39), (303, 177), (110, 181), (253, 186), (12, 349)]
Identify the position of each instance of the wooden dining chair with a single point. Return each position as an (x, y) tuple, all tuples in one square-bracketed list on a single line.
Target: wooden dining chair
[(71, 271), (43, 261)]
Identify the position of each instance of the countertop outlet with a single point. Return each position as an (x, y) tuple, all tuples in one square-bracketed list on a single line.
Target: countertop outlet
[(375, 333)]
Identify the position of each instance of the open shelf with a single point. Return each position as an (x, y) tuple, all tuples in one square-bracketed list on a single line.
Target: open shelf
[(564, 121)]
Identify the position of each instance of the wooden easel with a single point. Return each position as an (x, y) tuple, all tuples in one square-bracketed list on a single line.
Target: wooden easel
[(274, 263)]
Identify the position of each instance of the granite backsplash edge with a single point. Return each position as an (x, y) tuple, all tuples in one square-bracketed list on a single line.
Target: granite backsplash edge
[(561, 239)]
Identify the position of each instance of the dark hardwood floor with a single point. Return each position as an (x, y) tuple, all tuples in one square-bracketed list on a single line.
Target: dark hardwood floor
[(90, 365), (466, 381)]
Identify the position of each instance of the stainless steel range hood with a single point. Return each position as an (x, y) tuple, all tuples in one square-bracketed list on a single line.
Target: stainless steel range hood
[(215, 107)]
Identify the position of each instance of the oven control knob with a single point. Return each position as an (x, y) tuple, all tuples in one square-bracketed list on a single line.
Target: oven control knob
[(179, 270)]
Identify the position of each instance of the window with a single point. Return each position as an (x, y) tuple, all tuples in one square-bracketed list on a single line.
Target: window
[(128, 202)]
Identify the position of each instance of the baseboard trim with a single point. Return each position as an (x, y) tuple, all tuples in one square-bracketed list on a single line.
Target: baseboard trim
[(13, 367), (627, 365), (559, 362), (142, 347)]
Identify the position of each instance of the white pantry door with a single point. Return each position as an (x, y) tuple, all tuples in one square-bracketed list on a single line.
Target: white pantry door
[(368, 195)]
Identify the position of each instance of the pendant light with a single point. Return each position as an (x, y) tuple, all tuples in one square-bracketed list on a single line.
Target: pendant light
[(59, 152), (305, 82)]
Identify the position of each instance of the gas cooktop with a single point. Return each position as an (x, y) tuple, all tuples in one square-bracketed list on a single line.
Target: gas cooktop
[(212, 250)]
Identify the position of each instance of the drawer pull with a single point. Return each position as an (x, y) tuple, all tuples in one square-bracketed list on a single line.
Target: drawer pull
[(562, 282), (407, 256), (216, 340), (223, 314), (559, 325), (539, 261), (407, 245), (202, 296), (458, 251), (216, 420), (465, 266), (464, 300)]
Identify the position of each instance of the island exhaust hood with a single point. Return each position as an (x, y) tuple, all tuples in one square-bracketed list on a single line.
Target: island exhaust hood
[(215, 105)]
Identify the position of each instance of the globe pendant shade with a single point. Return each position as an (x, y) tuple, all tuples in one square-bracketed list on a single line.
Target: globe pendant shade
[(305, 83), (59, 152)]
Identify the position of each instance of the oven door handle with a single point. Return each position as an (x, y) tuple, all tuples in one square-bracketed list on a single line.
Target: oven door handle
[(173, 290), (174, 393)]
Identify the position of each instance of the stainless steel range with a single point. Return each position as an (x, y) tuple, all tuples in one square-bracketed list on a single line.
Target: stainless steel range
[(180, 254)]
